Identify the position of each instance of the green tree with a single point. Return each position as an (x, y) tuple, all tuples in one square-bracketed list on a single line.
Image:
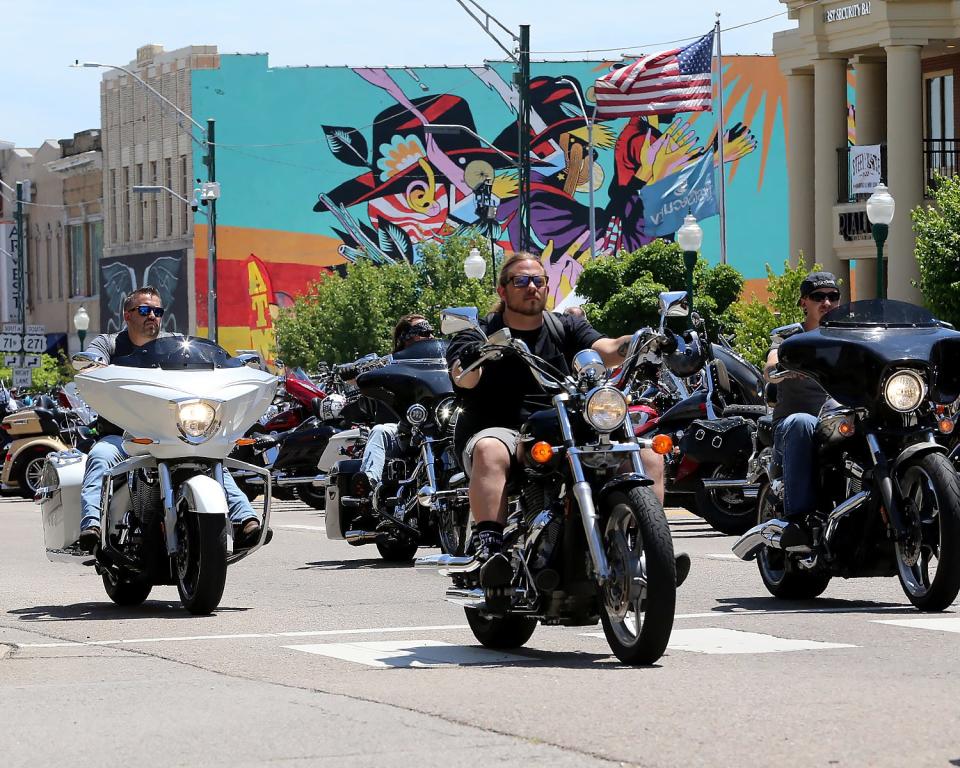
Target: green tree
[(622, 291), (340, 318), (53, 371), (937, 229)]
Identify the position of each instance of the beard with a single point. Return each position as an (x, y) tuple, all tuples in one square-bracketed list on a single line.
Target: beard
[(152, 330), (525, 306)]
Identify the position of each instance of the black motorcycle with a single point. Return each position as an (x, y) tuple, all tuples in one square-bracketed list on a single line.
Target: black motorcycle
[(888, 497), (586, 538), (422, 499)]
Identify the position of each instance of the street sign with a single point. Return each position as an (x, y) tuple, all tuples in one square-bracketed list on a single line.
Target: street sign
[(11, 361), (22, 377), (10, 342), (35, 344), (13, 328), (36, 330), (31, 361)]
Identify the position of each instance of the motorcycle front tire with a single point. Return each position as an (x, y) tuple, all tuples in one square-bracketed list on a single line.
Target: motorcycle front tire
[(201, 561), (312, 496)]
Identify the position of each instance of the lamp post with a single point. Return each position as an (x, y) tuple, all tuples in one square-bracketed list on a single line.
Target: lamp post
[(81, 321), (487, 214), (474, 266), (880, 208), (690, 238), (209, 145)]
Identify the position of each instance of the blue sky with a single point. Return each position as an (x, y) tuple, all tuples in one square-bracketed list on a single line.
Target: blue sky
[(45, 99)]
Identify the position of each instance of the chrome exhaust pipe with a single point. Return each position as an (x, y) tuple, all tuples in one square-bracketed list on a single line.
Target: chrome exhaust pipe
[(843, 509), (308, 480), (359, 538), (466, 598), (321, 480), (766, 534), (452, 562), (710, 484)]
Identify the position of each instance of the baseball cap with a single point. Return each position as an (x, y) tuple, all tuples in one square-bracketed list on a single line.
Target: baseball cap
[(817, 280)]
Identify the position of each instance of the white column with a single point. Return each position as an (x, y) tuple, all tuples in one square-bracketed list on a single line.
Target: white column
[(800, 166), (905, 166), (871, 101), (830, 134)]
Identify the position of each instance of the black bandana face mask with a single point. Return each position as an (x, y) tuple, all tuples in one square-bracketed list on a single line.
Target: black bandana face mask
[(421, 329)]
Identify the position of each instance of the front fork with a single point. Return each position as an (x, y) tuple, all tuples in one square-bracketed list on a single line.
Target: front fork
[(889, 491)]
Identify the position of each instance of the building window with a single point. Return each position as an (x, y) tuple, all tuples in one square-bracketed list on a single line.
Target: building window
[(138, 202), (95, 233), (51, 271), (939, 98), (112, 205), (78, 261), (185, 191), (168, 199), (125, 204)]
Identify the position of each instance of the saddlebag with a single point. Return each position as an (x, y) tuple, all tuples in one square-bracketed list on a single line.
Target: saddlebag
[(336, 518), (59, 494), (718, 441)]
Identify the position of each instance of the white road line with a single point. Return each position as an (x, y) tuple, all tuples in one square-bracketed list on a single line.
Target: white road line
[(723, 556), (943, 625), (774, 612), (244, 636), (712, 640), (302, 527), (408, 653)]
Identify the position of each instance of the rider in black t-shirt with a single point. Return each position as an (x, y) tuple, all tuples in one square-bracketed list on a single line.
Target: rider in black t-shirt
[(499, 396)]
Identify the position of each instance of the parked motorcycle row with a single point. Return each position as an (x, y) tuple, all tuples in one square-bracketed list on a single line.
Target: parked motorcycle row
[(587, 540)]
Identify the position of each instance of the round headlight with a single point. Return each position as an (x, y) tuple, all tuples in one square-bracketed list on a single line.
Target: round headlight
[(417, 414), (196, 419), (904, 391), (446, 412), (606, 409)]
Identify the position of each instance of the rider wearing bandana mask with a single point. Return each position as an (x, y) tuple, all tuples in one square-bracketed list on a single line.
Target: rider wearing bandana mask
[(383, 442)]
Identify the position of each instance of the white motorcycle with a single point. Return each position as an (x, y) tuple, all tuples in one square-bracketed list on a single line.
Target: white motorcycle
[(182, 404)]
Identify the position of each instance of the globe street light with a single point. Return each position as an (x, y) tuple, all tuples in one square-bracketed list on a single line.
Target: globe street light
[(474, 266), (81, 321), (690, 238), (880, 208)]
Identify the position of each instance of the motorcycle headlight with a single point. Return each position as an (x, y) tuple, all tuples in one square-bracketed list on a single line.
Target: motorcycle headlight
[(197, 420), (606, 408), (904, 391)]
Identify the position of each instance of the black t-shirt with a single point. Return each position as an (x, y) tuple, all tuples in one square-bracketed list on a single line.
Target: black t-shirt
[(507, 392)]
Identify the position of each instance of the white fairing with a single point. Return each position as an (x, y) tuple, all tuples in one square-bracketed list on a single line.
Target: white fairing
[(143, 402), (336, 449)]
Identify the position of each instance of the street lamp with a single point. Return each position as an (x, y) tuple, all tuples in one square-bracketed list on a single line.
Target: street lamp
[(474, 266), (487, 214), (690, 238), (81, 321), (880, 208), (589, 122), (209, 145)]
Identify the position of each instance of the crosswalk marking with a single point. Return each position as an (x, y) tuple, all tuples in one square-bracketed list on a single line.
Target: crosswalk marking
[(713, 640), (408, 653), (951, 624), (723, 556)]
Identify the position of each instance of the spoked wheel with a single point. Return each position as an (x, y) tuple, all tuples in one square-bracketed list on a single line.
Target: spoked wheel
[(454, 528), (640, 598), (928, 563), (500, 632), (726, 509), (127, 592), (30, 475), (783, 576), (201, 560)]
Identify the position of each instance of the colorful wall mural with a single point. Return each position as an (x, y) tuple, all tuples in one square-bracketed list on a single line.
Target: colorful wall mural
[(323, 166)]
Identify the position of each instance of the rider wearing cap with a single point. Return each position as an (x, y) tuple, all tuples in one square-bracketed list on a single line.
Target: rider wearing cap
[(799, 400)]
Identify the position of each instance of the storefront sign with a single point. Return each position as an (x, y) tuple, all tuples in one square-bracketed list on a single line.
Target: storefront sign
[(854, 225), (845, 12), (865, 168)]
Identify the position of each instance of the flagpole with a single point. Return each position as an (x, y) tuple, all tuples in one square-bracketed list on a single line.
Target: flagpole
[(722, 196)]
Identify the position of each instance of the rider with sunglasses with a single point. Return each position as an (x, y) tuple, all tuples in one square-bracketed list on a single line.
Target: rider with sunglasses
[(501, 395), (799, 400), (143, 314)]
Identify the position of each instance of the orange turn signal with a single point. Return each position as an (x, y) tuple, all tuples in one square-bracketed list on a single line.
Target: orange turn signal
[(846, 428), (662, 444), (245, 441), (142, 440), (541, 452), (945, 425)]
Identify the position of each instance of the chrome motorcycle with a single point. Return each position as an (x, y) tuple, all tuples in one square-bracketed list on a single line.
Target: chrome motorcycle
[(888, 496)]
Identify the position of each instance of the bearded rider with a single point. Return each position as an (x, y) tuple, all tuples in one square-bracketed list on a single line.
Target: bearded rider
[(500, 395)]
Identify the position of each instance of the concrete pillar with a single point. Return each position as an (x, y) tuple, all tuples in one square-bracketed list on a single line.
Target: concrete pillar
[(871, 101), (800, 166), (830, 133), (905, 166)]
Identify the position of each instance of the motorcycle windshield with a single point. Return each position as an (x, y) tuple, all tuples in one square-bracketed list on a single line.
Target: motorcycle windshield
[(178, 353), (858, 344)]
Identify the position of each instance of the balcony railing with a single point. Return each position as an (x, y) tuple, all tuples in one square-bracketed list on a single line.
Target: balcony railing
[(941, 157)]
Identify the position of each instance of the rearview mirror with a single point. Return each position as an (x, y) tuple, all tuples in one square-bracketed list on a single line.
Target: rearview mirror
[(778, 335), (456, 319), (500, 338), (83, 360), (674, 304), (251, 360)]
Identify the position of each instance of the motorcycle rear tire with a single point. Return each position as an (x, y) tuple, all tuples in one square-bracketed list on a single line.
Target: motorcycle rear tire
[(201, 561), (30, 473), (313, 497), (651, 530), (781, 575), (500, 632), (126, 593), (397, 550), (934, 473), (728, 518)]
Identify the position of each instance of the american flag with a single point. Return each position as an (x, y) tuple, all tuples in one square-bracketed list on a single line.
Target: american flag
[(659, 84)]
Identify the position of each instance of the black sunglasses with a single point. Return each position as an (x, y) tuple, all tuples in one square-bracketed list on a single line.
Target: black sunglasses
[(522, 281), (820, 296), (145, 309)]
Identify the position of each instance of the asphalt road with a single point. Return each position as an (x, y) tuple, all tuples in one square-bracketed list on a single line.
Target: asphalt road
[(321, 654)]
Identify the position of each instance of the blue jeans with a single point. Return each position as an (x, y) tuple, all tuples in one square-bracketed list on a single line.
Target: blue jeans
[(793, 451), (383, 443), (107, 453)]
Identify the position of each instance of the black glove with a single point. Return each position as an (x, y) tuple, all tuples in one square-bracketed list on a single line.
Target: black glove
[(469, 353), (264, 441), (669, 344)]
